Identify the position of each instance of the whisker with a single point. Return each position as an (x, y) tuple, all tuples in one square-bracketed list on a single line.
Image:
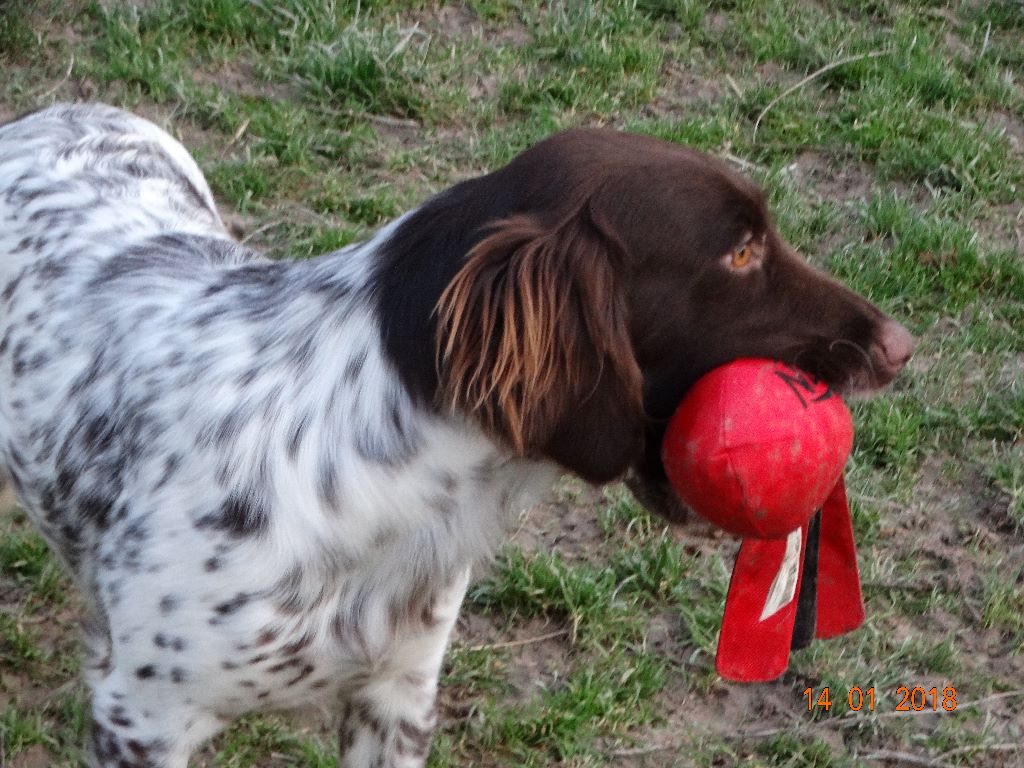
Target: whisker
[(857, 348)]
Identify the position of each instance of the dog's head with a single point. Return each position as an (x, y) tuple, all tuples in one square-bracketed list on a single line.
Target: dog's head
[(607, 273)]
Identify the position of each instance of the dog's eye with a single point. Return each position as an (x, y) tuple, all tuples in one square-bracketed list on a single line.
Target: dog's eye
[(745, 256), (740, 256)]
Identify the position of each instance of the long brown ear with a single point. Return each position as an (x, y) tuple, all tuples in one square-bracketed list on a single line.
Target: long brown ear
[(533, 342)]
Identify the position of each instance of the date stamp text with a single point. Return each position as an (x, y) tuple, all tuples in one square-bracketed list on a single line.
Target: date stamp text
[(905, 699)]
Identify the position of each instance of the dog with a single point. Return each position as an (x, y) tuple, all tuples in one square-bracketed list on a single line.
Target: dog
[(270, 480)]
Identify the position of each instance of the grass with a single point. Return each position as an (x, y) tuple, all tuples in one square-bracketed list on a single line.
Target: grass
[(902, 173)]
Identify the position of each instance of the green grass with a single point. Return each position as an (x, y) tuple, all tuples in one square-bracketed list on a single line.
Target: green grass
[(25, 559), (18, 39), (592, 57), (1004, 602), (901, 173), (364, 71), (252, 739), (1008, 475)]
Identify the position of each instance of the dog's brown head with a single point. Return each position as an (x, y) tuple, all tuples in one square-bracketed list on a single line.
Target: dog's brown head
[(584, 287)]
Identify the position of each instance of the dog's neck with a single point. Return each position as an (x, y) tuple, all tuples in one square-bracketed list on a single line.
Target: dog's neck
[(358, 443)]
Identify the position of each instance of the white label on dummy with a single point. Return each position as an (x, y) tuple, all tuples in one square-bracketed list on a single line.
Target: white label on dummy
[(784, 586)]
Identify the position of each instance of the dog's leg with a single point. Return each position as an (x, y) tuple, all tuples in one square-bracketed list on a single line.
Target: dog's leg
[(131, 728), (389, 721)]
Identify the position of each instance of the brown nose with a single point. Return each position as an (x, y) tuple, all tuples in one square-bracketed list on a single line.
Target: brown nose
[(897, 345)]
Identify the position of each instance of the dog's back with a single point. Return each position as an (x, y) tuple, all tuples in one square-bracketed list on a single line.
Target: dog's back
[(89, 178)]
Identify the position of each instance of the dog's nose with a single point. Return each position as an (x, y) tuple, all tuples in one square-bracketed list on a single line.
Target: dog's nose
[(897, 345)]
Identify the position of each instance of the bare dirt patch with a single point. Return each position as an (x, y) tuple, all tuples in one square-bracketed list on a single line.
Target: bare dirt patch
[(832, 179), (534, 653), (1009, 125), (684, 87), (7, 114), (241, 78), (462, 23), (570, 528)]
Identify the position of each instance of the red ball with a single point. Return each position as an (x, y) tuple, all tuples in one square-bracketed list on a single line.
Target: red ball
[(756, 447)]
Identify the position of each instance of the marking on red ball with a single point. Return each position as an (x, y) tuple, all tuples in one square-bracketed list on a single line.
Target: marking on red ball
[(797, 380)]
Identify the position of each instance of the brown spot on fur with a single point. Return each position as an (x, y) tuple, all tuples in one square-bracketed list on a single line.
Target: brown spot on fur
[(298, 645), (415, 740)]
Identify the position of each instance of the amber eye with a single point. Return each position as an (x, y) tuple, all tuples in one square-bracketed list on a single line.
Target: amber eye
[(740, 256)]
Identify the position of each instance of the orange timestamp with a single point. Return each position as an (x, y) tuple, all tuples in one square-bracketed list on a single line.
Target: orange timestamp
[(907, 699)]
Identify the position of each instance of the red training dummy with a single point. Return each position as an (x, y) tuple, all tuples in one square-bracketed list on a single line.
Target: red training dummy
[(758, 448)]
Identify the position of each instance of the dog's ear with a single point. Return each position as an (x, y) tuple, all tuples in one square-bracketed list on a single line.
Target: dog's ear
[(533, 342)]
